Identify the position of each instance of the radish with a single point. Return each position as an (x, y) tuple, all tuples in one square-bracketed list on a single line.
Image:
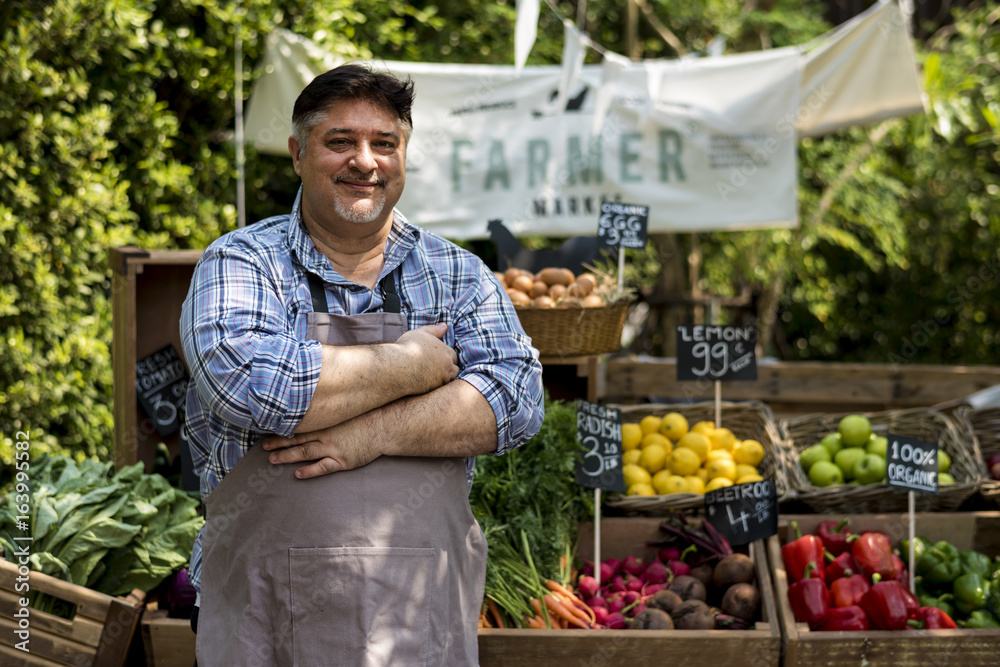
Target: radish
[(636, 610), (631, 597), (679, 568), (634, 565), (651, 589), (597, 601), (669, 553), (615, 621), (618, 584), (656, 573), (616, 604), (587, 586), (614, 564), (633, 583), (587, 570), (601, 615), (608, 571)]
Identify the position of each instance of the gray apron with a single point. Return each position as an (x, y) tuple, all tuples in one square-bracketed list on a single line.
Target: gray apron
[(373, 567)]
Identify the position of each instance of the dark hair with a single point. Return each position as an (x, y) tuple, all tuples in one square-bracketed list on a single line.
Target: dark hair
[(352, 81)]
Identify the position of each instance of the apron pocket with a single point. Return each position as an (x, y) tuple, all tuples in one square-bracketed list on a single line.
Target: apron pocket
[(363, 606)]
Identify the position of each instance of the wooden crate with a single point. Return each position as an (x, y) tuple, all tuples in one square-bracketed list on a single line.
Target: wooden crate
[(168, 642), (620, 537), (99, 635), (904, 648), (801, 387)]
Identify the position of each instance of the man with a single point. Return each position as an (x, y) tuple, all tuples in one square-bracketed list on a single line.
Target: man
[(346, 368)]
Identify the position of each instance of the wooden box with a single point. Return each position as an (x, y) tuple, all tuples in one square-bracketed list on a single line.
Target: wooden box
[(903, 648), (168, 642), (620, 537), (99, 635)]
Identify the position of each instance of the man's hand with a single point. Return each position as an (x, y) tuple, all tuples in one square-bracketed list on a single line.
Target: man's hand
[(333, 449), (431, 362)]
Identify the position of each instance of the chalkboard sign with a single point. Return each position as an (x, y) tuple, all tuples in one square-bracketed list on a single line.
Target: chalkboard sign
[(744, 512), (622, 225), (911, 464), (161, 384), (600, 431), (706, 352)]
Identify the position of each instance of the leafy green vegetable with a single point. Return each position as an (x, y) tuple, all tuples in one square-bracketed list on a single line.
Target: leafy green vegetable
[(110, 531), (530, 509)]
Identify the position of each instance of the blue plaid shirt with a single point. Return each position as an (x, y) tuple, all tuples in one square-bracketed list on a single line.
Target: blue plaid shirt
[(243, 332)]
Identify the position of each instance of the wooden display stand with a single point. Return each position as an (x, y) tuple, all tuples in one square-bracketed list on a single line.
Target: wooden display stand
[(902, 648), (99, 635)]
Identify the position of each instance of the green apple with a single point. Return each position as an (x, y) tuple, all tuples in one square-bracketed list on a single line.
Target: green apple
[(832, 443), (812, 455), (869, 469), (854, 430), (877, 444), (944, 461), (945, 478), (847, 457), (825, 473)]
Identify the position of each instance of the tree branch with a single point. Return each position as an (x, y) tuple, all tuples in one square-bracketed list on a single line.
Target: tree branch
[(665, 32)]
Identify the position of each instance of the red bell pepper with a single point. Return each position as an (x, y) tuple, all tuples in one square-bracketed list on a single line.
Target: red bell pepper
[(932, 618), (810, 599), (833, 536), (886, 605), (912, 603), (872, 553), (902, 574), (847, 619), (799, 553), (847, 591), (842, 566)]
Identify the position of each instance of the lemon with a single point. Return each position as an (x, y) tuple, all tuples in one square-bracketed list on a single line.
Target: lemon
[(641, 489), (674, 425), (631, 435), (717, 483), (660, 480), (697, 443), (653, 458), (695, 484), (749, 478), (742, 470), (719, 454), (635, 474), (684, 461), (722, 438), (655, 439), (749, 452), (703, 427), (674, 484), (702, 474), (721, 468), (632, 456), (649, 424)]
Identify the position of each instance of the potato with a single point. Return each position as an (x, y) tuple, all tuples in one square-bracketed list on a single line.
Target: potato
[(544, 302), (523, 283), (587, 282), (592, 301), (501, 278), (555, 276), (538, 289), (518, 298)]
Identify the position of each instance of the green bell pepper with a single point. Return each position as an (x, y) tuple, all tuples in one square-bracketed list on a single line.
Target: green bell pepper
[(942, 602), (980, 619), (971, 592), (940, 564), (978, 563), (920, 545)]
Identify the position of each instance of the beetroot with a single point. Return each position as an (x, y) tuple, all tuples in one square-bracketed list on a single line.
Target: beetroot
[(664, 600), (652, 619), (634, 565), (656, 573), (615, 621), (679, 568), (702, 573), (587, 586), (688, 588)]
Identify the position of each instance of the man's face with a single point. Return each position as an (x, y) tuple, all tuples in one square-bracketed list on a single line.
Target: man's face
[(352, 168)]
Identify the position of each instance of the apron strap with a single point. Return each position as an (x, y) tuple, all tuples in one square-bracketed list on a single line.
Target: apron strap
[(390, 299)]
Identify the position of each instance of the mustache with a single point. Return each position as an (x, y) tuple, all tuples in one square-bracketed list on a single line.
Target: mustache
[(358, 176)]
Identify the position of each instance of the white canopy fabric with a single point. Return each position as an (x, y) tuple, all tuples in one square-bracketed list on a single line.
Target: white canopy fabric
[(706, 143)]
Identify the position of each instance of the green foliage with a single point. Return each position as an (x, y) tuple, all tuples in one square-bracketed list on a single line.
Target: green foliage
[(110, 531)]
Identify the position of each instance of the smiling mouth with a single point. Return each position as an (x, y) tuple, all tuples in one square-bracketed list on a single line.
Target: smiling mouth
[(359, 181)]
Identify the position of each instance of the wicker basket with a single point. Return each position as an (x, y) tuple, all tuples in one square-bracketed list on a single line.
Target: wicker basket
[(568, 332), (984, 425), (750, 420), (920, 423)]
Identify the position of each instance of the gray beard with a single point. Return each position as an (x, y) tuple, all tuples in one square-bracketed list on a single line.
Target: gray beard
[(363, 211)]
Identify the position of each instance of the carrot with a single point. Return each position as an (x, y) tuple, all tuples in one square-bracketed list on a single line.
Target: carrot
[(536, 623), (571, 607), (560, 611), (556, 587), (495, 611)]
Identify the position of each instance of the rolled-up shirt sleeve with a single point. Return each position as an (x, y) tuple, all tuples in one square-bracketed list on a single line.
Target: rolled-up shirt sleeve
[(244, 357), (496, 357)]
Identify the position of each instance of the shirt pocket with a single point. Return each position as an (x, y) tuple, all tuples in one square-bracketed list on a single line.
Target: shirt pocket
[(365, 606)]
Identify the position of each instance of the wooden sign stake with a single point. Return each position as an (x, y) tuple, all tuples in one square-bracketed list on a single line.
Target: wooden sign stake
[(913, 531), (597, 536)]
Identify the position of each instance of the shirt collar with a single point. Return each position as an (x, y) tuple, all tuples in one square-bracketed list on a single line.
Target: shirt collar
[(403, 238)]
